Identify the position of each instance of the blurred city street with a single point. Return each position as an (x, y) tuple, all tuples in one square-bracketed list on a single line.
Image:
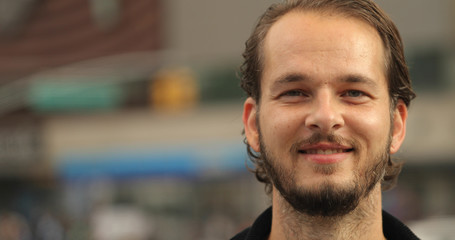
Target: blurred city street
[(122, 120)]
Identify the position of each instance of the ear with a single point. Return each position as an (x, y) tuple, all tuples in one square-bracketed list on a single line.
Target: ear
[(400, 115), (250, 123)]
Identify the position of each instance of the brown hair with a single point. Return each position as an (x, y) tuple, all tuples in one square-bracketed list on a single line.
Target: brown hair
[(399, 83)]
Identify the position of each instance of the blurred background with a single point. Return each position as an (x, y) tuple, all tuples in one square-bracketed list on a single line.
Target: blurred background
[(122, 119)]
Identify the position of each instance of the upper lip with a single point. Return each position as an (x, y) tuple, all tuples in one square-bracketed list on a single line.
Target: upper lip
[(324, 146)]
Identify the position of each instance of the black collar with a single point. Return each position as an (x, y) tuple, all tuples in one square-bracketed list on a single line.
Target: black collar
[(260, 230)]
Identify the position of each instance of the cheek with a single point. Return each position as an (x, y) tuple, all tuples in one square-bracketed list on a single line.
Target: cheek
[(372, 127), (279, 127)]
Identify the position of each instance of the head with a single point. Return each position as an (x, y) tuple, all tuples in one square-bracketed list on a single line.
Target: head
[(395, 73)]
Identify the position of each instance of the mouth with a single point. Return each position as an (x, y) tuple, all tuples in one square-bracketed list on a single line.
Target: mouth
[(325, 148), (325, 151)]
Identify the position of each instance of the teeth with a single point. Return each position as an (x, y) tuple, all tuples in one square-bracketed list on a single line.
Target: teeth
[(324, 151)]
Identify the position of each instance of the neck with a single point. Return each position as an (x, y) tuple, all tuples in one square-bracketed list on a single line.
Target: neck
[(364, 222)]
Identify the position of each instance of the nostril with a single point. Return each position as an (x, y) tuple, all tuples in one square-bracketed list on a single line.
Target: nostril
[(325, 124)]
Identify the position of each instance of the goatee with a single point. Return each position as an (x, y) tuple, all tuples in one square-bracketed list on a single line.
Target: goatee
[(326, 199)]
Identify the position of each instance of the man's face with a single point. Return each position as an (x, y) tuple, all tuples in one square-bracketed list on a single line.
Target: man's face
[(324, 117)]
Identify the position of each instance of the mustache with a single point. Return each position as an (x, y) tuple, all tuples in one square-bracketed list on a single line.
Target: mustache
[(317, 137)]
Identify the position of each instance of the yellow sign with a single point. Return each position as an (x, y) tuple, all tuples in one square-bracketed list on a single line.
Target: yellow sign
[(174, 90)]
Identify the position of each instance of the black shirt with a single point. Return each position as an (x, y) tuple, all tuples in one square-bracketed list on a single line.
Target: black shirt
[(260, 230)]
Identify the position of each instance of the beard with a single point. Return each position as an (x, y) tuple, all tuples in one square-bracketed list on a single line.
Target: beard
[(327, 199)]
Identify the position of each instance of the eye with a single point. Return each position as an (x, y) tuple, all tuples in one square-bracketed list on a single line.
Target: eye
[(293, 96), (354, 93), (356, 96), (293, 93)]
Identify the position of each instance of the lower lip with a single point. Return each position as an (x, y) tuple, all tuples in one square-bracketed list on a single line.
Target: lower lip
[(326, 158)]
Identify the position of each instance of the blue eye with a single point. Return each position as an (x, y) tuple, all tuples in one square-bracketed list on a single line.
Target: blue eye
[(354, 93)]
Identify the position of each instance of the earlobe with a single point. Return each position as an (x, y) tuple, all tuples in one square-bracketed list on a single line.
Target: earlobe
[(250, 123), (400, 116)]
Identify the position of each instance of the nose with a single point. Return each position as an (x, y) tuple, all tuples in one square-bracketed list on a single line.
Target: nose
[(325, 114)]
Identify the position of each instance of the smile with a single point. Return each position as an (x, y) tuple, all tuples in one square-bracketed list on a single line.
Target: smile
[(324, 151), (324, 154)]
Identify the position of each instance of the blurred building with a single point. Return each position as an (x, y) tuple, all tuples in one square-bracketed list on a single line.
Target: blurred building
[(113, 108)]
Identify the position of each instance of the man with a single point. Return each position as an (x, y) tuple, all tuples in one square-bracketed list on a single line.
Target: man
[(328, 91)]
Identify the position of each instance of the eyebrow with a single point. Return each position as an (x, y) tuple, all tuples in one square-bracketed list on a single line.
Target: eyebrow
[(299, 77), (359, 79), (290, 78)]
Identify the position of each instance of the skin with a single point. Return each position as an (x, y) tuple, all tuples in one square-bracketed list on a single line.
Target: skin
[(324, 73)]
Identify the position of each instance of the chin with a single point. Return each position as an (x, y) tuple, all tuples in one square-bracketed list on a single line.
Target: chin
[(335, 179)]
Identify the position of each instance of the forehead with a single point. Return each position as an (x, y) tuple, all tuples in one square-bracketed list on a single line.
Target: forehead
[(322, 40), (323, 29)]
